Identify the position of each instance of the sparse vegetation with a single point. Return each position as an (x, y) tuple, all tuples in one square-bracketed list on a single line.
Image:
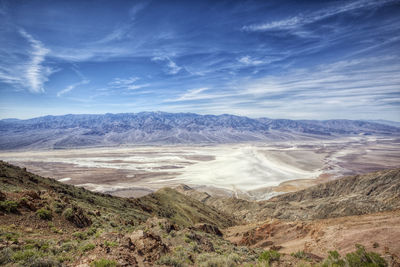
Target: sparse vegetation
[(268, 256), (110, 244), (9, 206), (68, 213), (44, 214), (120, 227), (300, 255), (88, 247), (104, 263), (358, 258)]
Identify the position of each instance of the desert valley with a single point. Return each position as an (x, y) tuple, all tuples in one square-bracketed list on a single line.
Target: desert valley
[(248, 170), (199, 133)]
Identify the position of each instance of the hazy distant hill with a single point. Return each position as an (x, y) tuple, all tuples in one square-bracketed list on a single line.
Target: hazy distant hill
[(170, 128)]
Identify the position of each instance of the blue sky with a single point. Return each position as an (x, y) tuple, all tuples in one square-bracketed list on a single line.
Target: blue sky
[(277, 59)]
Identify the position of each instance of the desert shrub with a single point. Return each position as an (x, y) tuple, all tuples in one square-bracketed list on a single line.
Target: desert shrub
[(334, 259), (170, 260), (300, 255), (5, 256), (91, 231), (104, 263), (269, 255), (214, 260), (88, 247), (110, 244), (45, 262), (80, 235), (68, 213), (27, 255), (44, 214), (363, 258), (58, 207), (9, 206), (9, 236), (68, 246)]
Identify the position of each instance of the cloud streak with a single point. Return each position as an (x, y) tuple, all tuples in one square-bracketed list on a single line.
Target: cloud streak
[(72, 87), (172, 67), (363, 86), (36, 73), (295, 22), (127, 84)]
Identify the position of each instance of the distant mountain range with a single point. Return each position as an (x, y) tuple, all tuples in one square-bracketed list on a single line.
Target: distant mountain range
[(69, 131)]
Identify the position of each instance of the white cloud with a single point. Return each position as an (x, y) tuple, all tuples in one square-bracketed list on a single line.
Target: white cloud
[(247, 60), (36, 73), (173, 68), (128, 84), (72, 87), (193, 94), (300, 20), (357, 89), (24, 68)]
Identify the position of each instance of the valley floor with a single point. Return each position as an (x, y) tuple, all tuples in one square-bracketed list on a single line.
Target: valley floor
[(249, 171)]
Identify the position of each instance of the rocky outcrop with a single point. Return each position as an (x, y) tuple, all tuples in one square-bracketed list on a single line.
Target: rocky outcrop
[(147, 245), (78, 217)]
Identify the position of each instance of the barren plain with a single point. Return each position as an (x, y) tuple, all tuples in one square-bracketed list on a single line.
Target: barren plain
[(248, 170)]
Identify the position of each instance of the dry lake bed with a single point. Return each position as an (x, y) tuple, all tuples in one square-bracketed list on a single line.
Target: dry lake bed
[(251, 171)]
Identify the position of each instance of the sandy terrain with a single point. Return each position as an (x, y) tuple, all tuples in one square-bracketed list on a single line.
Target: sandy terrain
[(254, 170)]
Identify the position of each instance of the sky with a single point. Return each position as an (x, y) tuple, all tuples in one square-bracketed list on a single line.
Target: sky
[(276, 59)]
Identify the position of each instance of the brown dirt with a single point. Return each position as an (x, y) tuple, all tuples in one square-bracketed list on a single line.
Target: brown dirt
[(377, 232)]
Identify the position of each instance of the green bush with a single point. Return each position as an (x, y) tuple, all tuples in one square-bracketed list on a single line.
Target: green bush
[(68, 246), (58, 207), (171, 261), (44, 214), (300, 255), (334, 259), (68, 213), (104, 263), (10, 236), (269, 255), (9, 206), (88, 247), (355, 259), (214, 260), (80, 235), (5, 256), (44, 262), (27, 255), (363, 258), (110, 244)]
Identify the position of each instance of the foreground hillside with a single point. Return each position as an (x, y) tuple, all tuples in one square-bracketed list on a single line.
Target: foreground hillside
[(47, 223), (171, 128)]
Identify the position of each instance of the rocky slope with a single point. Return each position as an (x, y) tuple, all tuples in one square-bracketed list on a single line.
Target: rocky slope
[(170, 128), (47, 223)]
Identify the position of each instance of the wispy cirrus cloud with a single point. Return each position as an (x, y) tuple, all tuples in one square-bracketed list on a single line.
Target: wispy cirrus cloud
[(36, 73), (192, 94), (172, 67), (298, 21), (360, 86), (127, 84), (72, 87), (247, 60), (25, 68)]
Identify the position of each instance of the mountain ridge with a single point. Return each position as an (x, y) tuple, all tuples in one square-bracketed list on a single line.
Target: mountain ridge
[(70, 131)]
